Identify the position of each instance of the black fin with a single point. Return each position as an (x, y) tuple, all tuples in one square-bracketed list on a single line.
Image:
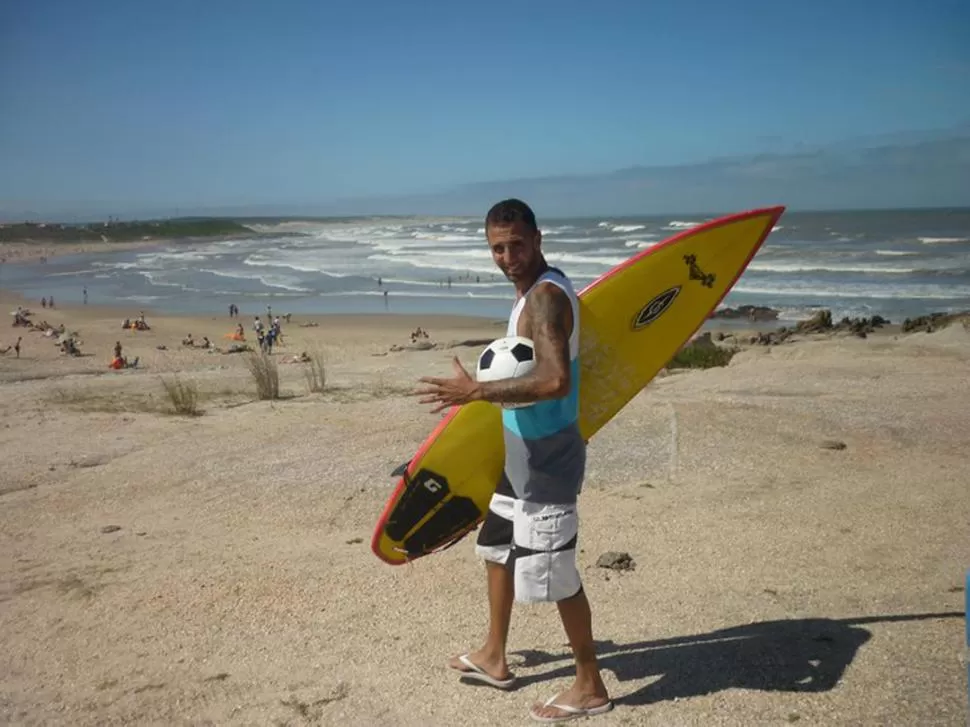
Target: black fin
[(400, 469)]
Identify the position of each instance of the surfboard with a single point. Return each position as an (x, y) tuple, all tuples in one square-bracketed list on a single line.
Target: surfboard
[(633, 320)]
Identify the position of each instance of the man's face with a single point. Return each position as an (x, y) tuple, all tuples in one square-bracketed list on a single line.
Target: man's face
[(515, 249)]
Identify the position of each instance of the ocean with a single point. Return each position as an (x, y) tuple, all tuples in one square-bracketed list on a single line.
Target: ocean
[(894, 263)]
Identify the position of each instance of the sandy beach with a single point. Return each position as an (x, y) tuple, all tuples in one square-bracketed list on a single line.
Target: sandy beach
[(798, 520), (14, 252)]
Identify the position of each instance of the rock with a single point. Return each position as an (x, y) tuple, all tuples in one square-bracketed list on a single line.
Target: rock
[(771, 338), (91, 460), (704, 340), (616, 561), (419, 346), (110, 529), (934, 322), (821, 322), (833, 444), (749, 312)]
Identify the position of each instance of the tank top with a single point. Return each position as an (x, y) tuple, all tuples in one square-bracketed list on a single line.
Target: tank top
[(545, 455)]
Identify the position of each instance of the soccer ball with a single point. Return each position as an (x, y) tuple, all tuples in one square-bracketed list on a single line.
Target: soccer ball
[(506, 358)]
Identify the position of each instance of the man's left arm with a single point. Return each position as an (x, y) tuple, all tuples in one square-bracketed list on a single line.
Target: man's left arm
[(550, 321)]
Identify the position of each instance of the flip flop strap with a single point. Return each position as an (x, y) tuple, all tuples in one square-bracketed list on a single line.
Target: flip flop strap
[(564, 707)]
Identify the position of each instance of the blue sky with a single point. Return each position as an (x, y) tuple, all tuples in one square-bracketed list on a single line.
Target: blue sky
[(130, 106)]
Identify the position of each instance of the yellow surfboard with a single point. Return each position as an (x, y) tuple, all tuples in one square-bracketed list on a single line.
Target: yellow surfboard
[(633, 319)]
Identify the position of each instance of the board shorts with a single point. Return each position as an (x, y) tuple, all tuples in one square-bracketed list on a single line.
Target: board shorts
[(535, 541)]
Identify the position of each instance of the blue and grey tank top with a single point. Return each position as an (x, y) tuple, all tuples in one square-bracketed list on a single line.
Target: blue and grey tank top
[(545, 455)]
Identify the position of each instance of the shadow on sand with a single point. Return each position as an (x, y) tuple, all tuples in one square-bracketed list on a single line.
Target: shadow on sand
[(798, 655)]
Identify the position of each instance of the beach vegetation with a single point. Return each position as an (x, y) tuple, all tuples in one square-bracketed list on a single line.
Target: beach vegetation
[(182, 395), (118, 231), (265, 374), (701, 355), (315, 372)]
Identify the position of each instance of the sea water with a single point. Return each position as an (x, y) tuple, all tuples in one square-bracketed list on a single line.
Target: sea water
[(894, 263)]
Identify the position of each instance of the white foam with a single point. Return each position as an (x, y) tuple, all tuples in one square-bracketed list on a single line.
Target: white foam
[(833, 268), (942, 240), (613, 227), (73, 272), (628, 228), (302, 268), (680, 225), (437, 262), (878, 292), (567, 257), (115, 266), (416, 294), (896, 253), (641, 244), (270, 281)]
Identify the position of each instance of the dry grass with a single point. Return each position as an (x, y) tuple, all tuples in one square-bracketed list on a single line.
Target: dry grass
[(316, 373), (183, 396), (266, 375), (111, 402), (179, 397)]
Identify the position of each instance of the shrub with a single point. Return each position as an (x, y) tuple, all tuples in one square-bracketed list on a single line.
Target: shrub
[(182, 395), (266, 375)]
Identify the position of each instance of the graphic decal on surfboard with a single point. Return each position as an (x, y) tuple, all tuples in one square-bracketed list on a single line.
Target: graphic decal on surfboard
[(697, 274), (655, 308), (633, 320)]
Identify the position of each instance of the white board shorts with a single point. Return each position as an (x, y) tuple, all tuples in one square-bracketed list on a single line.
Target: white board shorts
[(536, 542)]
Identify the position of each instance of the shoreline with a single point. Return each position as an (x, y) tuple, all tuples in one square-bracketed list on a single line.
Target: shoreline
[(121, 310)]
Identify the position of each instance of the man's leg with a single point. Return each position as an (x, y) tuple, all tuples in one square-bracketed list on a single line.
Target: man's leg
[(588, 691), (494, 545), (545, 539), (491, 657)]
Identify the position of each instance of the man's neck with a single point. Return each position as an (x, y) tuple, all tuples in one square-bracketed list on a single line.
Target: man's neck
[(522, 287)]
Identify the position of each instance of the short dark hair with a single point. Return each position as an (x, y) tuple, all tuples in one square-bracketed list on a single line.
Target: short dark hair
[(510, 211)]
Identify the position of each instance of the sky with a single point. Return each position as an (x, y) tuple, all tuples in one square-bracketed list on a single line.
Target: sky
[(125, 108)]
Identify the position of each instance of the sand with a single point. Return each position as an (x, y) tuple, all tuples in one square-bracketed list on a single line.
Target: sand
[(14, 252), (157, 569)]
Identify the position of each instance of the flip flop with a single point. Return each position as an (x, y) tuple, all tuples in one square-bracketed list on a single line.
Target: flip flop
[(571, 712), (476, 673)]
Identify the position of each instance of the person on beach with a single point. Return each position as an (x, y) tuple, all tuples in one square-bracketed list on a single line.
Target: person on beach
[(15, 347), (529, 535)]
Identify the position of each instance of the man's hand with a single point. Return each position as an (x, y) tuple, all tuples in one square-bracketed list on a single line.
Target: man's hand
[(458, 390)]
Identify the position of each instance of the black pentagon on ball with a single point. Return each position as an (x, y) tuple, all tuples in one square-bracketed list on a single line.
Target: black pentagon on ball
[(486, 359), (521, 352)]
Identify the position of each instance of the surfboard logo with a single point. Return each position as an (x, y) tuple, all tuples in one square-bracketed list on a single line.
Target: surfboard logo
[(655, 308), (707, 279)]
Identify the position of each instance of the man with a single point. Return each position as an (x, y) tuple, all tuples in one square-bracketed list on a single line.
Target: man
[(528, 538)]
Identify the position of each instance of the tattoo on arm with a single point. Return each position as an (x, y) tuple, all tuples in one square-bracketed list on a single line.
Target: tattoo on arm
[(550, 318)]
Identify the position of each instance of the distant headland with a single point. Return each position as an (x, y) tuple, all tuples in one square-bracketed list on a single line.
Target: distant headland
[(121, 231)]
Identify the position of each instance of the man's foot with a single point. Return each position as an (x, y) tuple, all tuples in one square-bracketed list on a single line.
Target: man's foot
[(479, 667), (572, 704)]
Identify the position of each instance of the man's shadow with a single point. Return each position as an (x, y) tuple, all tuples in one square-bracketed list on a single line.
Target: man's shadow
[(799, 655)]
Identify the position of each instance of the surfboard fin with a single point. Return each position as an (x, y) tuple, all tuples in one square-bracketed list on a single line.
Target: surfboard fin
[(401, 469)]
